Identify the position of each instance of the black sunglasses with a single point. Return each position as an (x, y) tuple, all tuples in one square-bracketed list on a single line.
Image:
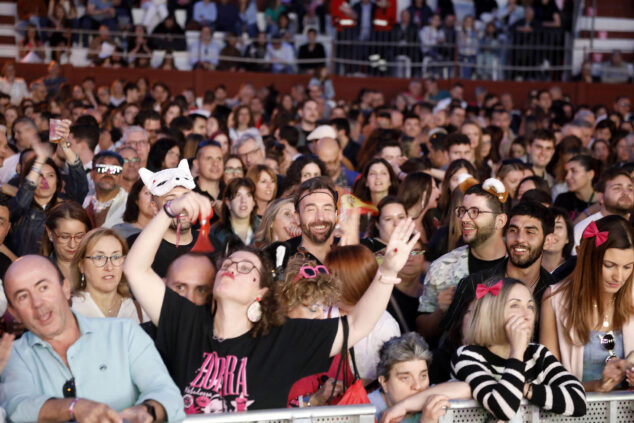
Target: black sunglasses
[(609, 343), (68, 389)]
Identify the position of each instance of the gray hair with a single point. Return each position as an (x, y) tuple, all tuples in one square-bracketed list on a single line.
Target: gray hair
[(132, 129), (249, 134), (408, 347)]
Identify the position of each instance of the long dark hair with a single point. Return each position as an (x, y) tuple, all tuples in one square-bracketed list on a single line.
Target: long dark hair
[(229, 194), (158, 151), (131, 213), (58, 175), (363, 192)]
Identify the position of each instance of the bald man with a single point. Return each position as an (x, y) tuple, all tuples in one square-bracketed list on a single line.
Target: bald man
[(329, 151), (111, 363), (192, 276)]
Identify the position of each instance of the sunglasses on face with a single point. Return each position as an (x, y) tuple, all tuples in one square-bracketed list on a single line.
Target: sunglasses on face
[(104, 169)]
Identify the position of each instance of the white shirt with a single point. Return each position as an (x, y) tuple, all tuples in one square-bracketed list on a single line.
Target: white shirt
[(86, 306), (204, 52), (366, 351), (581, 226), (281, 57)]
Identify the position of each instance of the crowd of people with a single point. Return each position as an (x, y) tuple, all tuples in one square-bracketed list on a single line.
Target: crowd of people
[(484, 42), (169, 253)]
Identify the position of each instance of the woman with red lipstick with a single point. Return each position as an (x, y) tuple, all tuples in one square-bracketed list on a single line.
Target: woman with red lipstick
[(98, 286), (587, 321), (242, 354), (66, 225)]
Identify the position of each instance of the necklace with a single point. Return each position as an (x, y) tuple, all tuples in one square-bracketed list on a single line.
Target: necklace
[(116, 304), (606, 322)]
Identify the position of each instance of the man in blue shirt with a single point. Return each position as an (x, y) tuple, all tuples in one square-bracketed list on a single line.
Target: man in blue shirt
[(68, 367)]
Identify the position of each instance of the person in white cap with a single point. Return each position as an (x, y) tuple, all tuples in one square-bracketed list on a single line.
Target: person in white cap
[(166, 185), (320, 132)]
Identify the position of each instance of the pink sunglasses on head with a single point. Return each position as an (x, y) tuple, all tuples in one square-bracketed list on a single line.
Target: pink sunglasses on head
[(310, 272)]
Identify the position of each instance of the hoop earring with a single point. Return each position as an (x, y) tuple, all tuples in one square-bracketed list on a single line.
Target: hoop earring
[(254, 312)]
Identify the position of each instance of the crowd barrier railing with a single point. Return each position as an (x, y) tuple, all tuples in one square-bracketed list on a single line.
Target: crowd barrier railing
[(612, 407), (339, 414)]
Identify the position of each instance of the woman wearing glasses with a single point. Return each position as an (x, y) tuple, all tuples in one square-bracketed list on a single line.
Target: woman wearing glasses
[(66, 225), (587, 321), (41, 188), (243, 355), (98, 286), (234, 168)]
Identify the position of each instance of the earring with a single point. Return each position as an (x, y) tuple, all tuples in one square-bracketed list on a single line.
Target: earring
[(83, 280), (254, 312)]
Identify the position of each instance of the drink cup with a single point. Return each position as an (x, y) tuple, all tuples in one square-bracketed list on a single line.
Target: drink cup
[(53, 137)]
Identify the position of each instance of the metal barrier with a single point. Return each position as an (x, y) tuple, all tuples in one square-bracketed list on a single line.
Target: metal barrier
[(334, 414), (611, 407)]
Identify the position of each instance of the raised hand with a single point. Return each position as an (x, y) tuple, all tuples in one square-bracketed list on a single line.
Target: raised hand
[(398, 248), (62, 130), (445, 297), (192, 205)]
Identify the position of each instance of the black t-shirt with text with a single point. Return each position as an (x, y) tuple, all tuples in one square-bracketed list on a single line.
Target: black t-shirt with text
[(242, 373)]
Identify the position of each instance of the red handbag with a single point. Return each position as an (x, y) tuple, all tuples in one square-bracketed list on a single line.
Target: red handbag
[(355, 392)]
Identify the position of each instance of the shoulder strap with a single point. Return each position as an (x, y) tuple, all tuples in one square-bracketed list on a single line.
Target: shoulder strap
[(343, 357), (399, 313)]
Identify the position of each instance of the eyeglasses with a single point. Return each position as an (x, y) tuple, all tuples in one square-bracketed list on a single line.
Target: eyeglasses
[(310, 272), (608, 343), (417, 253), (135, 160), (68, 390), (248, 154), (108, 169), (100, 260), (243, 266), (65, 238), (234, 170), (473, 212)]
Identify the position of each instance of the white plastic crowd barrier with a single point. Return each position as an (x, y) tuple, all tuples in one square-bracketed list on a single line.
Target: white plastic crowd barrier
[(334, 414)]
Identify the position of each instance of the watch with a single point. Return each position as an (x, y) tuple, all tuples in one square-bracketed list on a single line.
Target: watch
[(150, 409)]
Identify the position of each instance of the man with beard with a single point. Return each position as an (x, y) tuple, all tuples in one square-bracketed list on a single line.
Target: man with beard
[(483, 218), (106, 207), (165, 186), (316, 206), (131, 166), (309, 114), (529, 225), (617, 197)]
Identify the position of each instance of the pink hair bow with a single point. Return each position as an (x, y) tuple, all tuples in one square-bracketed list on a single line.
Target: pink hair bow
[(482, 289), (592, 231)]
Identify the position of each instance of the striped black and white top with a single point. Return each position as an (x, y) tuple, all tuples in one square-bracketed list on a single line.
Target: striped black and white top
[(498, 383)]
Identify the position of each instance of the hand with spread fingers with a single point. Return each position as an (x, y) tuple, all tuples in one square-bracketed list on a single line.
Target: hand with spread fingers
[(399, 247)]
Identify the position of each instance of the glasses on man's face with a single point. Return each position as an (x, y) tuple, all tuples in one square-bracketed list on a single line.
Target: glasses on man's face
[(249, 154), (473, 212), (68, 390), (100, 260), (65, 238), (608, 343), (104, 169), (242, 266)]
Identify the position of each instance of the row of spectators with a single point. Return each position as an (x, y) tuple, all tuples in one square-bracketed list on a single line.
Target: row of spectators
[(482, 239), (483, 44)]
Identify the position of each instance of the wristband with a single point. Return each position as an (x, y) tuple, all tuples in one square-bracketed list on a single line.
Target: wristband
[(388, 280), (37, 170), (71, 408), (168, 210)]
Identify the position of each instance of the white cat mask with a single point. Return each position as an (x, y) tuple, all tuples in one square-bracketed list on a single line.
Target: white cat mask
[(162, 182)]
